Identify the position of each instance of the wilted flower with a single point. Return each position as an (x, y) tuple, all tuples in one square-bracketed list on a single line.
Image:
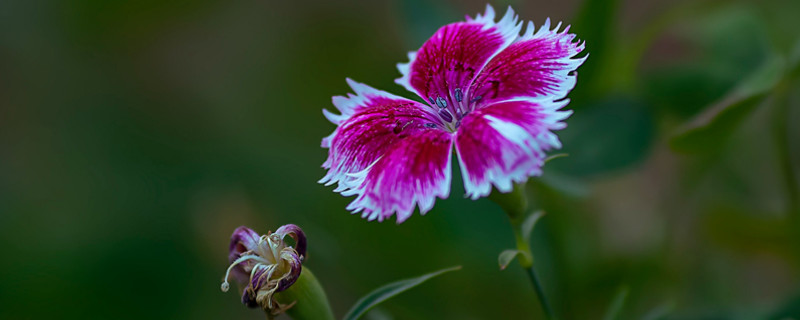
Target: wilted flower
[(264, 265), (491, 93)]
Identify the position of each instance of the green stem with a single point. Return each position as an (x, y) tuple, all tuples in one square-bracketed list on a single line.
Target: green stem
[(526, 261), (310, 301), (515, 204)]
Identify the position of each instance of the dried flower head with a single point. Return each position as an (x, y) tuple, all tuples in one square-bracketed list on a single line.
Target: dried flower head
[(266, 264)]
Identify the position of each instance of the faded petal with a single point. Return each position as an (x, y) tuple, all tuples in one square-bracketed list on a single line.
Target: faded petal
[(413, 172), (448, 62), (243, 239), (506, 142), (538, 64), (249, 298), (295, 267), (295, 233)]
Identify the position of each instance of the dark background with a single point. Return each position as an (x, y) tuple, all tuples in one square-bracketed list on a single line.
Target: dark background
[(136, 135)]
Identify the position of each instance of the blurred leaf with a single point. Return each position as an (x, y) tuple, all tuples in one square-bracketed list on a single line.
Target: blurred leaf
[(706, 131), (616, 304), (529, 223), (607, 135), (505, 257), (684, 90), (595, 25), (748, 232), (388, 291), (713, 47)]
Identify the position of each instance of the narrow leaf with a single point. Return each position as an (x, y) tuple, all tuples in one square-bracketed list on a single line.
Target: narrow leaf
[(505, 257), (712, 126), (388, 291), (555, 156), (529, 223)]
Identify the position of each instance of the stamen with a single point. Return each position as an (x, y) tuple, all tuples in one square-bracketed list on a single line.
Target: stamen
[(458, 95), (446, 116), (225, 285), (441, 102)]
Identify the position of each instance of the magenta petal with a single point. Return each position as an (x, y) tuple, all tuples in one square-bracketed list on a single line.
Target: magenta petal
[(447, 63), (414, 171), (372, 121), (536, 65), (506, 142)]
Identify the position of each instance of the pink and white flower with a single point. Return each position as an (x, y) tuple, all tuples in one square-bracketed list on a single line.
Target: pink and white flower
[(492, 94)]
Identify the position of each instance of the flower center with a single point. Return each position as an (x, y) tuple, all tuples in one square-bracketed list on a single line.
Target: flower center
[(458, 107)]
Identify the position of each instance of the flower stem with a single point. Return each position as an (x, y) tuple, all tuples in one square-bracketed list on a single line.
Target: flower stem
[(526, 261), (515, 204)]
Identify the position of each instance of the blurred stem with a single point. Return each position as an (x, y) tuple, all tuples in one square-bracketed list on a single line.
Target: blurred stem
[(310, 301), (515, 204)]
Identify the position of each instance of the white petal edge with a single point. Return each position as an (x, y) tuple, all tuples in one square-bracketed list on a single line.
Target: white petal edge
[(370, 210), (509, 28), (534, 146), (567, 75), (347, 106)]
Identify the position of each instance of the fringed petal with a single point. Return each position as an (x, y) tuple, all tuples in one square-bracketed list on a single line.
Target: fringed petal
[(371, 122), (443, 68), (413, 172), (539, 65), (506, 142)]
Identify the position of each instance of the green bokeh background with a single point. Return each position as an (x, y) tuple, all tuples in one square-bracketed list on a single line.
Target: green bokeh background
[(136, 135)]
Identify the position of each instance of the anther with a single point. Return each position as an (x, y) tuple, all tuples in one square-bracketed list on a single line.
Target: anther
[(225, 286), (446, 116), (431, 100), (478, 98), (441, 102), (458, 94), (430, 125)]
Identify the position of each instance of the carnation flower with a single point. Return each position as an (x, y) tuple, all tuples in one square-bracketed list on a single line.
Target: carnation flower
[(493, 95)]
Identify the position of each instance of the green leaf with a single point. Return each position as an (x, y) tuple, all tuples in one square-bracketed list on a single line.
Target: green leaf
[(607, 135), (529, 223), (706, 131), (388, 291), (505, 257)]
